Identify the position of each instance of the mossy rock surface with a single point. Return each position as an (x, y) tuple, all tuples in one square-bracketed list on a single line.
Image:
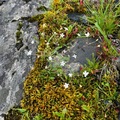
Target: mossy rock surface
[(86, 91)]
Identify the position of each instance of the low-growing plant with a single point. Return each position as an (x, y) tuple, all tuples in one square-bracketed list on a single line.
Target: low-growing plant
[(38, 117), (61, 115), (105, 15), (50, 93), (104, 18), (93, 65), (24, 112), (48, 90)]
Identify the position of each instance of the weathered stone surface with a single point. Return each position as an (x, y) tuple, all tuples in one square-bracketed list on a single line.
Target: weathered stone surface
[(81, 49), (16, 58), (77, 17), (77, 53)]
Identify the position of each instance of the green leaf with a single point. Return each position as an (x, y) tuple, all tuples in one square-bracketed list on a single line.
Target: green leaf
[(38, 117), (70, 28), (21, 110), (57, 113), (64, 111), (86, 108), (52, 78), (101, 31), (27, 115)]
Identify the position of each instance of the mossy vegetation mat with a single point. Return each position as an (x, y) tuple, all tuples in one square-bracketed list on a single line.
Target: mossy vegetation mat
[(90, 94)]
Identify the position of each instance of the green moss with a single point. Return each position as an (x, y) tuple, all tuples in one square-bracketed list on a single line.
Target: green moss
[(44, 91), (13, 115), (20, 25), (42, 8), (18, 35), (86, 98), (36, 18), (19, 39)]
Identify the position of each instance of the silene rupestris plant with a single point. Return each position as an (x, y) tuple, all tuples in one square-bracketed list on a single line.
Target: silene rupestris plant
[(61, 115), (104, 17), (105, 14), (49, 93)]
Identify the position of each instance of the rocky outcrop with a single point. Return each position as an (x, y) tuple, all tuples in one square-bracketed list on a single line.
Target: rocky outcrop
[(18, 47)]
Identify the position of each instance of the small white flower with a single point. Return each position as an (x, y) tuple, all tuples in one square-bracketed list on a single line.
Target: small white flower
[(38, 56), (50, 58), (62, 63), (98, 45), (66, 85), (78, 35), (85, 73), (32, 42), (47, 43), (70, 74), (46, 67), (74, 56), (62, 35), (44, 25), (58, 75), (66, 29), (96, 40), (80, 86), (43, 34), (64, 51), (87, 34), (29, 52), (55, 33)]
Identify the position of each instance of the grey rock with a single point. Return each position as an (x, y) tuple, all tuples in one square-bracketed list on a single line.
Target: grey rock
[(16, 63), (76, 54), (77, 17), (2, 1), (17, 57)]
